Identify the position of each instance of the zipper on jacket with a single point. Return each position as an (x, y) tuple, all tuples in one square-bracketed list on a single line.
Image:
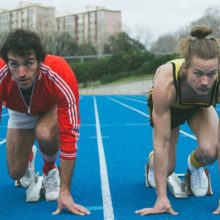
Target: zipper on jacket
[(28, 106), (29, 110)]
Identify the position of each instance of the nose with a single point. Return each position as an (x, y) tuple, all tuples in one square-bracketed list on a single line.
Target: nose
[(21, 71), (205, 81)]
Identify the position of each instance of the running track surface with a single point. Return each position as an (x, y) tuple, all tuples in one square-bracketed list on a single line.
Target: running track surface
[(115, 139)]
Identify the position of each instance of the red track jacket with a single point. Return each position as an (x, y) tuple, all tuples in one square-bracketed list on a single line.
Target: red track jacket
[(55, 85)]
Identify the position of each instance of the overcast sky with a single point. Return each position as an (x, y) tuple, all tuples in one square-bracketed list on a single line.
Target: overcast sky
[(157, 16)]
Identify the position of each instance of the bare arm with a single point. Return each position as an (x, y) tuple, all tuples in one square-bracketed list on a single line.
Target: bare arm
[(65, 198), (66, 171), (163, 97), (161, 148)]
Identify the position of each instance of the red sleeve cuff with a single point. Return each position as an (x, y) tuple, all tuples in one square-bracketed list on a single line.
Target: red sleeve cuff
[(68, 151)]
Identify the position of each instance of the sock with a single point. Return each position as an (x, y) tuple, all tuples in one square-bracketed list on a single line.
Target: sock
[(194, 162), (31, 156), (149, 157), (48, 166), (49, 163)]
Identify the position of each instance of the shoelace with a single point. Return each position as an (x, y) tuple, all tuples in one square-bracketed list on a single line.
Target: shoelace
[(51, 182), (197, 177)]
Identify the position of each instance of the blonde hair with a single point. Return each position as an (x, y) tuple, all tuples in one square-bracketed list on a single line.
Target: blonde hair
[(198, 45)]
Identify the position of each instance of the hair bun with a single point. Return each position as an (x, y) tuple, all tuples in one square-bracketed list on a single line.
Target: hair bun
[(200, 32)]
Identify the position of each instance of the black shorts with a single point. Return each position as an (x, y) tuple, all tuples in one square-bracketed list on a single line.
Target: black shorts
[(178, 115)]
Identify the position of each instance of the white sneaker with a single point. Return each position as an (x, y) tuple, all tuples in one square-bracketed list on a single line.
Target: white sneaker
[(29, 175), (150, 181), (33, 192), (52, 185), (198, 179)]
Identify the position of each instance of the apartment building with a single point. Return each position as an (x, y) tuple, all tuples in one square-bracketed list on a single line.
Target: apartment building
[(94, 26), (29, 16)]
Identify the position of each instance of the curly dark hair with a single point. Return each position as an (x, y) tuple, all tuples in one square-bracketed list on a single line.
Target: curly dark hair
[(23, 43)]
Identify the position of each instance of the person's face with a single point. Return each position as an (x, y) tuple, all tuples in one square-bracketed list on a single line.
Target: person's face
[(23, 69), (202, 74)]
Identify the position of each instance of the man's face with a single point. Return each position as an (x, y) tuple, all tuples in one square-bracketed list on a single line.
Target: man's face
[(202, 74), (23, 69)]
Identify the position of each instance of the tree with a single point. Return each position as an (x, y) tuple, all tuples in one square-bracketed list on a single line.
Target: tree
[(165, 44), (86, 49), (211, 18), (61, 44), (122, 43), (2, 38), (144, 36), (168, 43)]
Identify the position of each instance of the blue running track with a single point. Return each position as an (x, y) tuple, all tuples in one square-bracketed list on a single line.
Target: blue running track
[(115, 139)]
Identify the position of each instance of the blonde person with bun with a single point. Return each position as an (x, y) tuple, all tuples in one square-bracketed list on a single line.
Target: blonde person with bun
[(184, 90)]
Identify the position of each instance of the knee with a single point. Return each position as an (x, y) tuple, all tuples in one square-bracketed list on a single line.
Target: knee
[(210, 153), (45, 134), (16, 172), (211, 156)]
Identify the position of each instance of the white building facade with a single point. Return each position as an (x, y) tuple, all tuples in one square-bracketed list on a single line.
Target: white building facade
[(33, 17), (95, 26)]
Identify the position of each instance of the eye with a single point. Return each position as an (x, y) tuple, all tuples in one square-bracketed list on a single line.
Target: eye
[(13, 64), (198, 73), (213, 73), (28, 64)]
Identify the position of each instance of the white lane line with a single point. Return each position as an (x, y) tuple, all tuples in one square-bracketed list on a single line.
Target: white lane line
[(146, 115), (95, 208), (188, 135), (106, 195), (3, 142), (129, 107), (95, 137), (132, 99), (4, 115)]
